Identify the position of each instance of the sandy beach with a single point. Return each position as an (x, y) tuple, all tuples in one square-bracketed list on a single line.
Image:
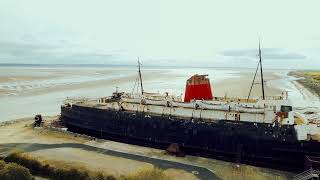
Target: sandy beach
[(42, 90), (35, 90), (240, 86), (53, 80)]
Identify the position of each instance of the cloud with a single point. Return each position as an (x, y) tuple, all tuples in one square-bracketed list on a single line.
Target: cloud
[(23, 49), (24, 52), (267, 53)]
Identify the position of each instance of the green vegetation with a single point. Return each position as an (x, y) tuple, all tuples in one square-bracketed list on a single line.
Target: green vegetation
[(13, 171), (310, 80), (314, 75), (61, 170), (55, 170)]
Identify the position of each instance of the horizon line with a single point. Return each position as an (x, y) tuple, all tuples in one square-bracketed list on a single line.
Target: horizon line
[(133, 65)]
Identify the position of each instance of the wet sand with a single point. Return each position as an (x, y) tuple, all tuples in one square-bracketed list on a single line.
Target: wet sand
[(240, 86), (42, 90), (35, 85), (27, 91), (237, 86)]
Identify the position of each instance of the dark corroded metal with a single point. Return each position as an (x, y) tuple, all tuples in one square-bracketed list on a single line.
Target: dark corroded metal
[(261, 144)]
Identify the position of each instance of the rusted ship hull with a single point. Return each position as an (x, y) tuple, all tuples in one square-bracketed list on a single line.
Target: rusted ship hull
[(245, 142)]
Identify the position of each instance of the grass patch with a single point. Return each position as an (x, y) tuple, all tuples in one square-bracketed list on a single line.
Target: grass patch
[(55, 170), (2, 164), (13, 171), (314, 75), (311, 80), (64, 171)]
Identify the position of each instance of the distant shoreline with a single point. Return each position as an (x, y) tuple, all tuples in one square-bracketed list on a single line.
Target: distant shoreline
[(134, 66), (309, 80), (35, 90)]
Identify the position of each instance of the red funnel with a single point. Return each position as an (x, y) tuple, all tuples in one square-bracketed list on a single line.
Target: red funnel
[(198, 88)]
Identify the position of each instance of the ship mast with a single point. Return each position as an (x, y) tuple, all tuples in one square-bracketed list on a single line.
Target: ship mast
[(140, 77), (261, 72), (254, 78), (262, 81)]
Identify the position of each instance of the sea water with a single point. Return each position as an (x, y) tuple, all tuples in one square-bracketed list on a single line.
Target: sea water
[(42, 93)]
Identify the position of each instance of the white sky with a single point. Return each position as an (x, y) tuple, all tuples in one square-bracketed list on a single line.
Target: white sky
[(165, 32)]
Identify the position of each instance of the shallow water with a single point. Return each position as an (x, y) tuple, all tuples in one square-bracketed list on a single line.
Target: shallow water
[(20, 98), (295, 96)]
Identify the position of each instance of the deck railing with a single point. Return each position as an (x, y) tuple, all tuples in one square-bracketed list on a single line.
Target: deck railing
[(308, 174)]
